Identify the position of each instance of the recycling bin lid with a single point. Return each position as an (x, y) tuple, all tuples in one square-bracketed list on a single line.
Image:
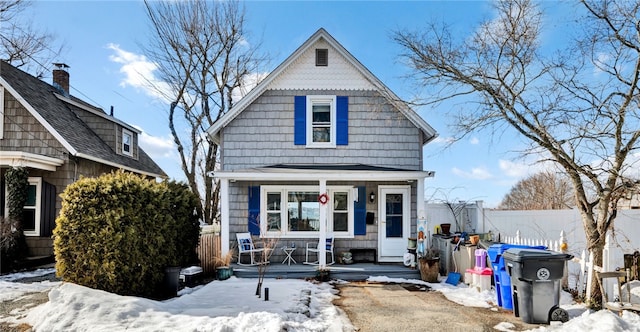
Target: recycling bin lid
[(524, 254)]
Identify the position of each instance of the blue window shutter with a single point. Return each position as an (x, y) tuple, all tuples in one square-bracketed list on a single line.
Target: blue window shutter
[(360, 213), (254, 210), (300, 120), (342, 120)]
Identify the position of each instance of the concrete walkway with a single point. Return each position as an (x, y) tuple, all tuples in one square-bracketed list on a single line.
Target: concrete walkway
[(375, 307)]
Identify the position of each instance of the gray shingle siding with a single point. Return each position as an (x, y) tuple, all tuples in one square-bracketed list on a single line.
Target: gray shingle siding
[(379, 135)]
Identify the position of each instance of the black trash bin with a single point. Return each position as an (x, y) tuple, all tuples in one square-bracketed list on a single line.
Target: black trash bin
[(535, 284)]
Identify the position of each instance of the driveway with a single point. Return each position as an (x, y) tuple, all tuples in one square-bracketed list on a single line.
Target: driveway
[(378, 307)]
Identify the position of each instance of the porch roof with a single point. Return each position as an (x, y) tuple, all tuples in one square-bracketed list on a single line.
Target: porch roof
[(316, 172), (26, 159)]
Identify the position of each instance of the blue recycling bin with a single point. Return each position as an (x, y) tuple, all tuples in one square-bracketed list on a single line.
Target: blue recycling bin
[(501, 278)]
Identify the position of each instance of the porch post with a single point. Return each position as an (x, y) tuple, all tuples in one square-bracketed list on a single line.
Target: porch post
[(420, 206), (224, 215), (322, 239)]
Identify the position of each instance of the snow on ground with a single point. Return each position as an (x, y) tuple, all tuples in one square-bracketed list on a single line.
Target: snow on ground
[(231, 305), (10, 290)]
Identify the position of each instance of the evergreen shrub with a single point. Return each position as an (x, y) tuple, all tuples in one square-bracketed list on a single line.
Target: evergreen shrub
[(117, 233)]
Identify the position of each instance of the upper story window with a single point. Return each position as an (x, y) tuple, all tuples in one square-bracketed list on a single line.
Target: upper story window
[(321, 121), (127, 142), (322, 57)]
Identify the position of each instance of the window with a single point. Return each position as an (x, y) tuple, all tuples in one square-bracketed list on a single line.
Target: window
[(321, 121), (127, 142), (322, 57), (295, 211), (321, 117), (31, 211), (274, 217)]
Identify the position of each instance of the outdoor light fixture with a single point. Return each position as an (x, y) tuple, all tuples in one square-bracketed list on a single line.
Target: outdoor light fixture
[(372, 197)]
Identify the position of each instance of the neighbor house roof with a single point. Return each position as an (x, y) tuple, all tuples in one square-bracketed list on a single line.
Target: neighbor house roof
[(58, 114), (428, 132)]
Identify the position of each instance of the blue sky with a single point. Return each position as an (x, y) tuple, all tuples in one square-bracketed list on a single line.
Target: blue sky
[(103, 42)]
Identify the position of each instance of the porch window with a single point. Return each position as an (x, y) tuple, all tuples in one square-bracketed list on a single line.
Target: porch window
[(294, 211), (274, 221), (340, 211)]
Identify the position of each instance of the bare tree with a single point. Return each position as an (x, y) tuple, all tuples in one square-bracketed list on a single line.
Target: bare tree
[(21, 44), (541, 191), (577, 107), (203, 59)]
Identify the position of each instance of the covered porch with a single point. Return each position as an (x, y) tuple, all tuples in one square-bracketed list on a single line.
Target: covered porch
[(367, 186)]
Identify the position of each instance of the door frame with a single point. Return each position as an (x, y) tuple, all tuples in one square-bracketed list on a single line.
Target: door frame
[(383, 256)]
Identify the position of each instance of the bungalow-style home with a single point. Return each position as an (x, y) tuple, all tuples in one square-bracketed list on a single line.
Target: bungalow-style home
[(58, 138), (322, 149)]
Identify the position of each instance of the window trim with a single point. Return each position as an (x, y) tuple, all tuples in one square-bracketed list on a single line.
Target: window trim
[(284, 190), (126, 132), (321, 99), (33, 181), (2, 110)]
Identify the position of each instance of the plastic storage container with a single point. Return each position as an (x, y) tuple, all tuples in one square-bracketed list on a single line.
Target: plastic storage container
[(501, 279), (481, 258), (535, 284)]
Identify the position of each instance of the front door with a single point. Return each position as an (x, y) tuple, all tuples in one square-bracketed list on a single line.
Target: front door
[(394, 210)]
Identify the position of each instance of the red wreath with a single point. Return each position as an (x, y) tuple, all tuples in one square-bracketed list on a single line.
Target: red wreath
[(323, 199)]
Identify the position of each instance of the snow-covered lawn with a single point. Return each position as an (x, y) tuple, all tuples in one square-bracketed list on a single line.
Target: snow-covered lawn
[(230, 305)]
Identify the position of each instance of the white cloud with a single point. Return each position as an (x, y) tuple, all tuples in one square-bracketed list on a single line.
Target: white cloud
[(514, 170), (250, 81), (443, 140), (474, 141), (476, 173), (156, 146), (139, 72)]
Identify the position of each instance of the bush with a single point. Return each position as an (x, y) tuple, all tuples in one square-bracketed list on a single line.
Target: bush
[(13, 246), (118, 232), (185, 210)]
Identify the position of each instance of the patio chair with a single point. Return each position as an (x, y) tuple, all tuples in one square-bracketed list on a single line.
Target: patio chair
[(315, 248), (246, 246), (618, 304)]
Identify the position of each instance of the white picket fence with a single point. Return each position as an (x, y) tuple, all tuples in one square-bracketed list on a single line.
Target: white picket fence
[(580, 270)]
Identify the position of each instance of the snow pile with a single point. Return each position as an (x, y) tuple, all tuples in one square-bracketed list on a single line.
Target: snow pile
[(229, 305)]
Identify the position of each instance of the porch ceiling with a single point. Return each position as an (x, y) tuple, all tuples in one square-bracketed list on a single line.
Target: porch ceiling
[(352, 172)]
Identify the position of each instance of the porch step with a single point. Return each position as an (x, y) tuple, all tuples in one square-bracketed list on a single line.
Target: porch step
[(352, 272)]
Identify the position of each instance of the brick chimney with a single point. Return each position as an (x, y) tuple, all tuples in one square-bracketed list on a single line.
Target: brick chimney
[(61, 78)]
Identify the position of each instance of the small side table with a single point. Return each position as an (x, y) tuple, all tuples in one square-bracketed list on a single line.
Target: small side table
[(289, 251)]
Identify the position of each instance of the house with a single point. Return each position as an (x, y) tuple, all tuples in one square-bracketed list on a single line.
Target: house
[(58, 138), (322, 146)]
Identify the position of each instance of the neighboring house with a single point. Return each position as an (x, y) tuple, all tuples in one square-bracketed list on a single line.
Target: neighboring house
[(321, 123), (58, 138)]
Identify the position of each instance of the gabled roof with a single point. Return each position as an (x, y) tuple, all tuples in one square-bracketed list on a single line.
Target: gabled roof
[(427, 130), (58, 115)]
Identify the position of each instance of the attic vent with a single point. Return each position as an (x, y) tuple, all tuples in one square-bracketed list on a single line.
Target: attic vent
[(322, 57)]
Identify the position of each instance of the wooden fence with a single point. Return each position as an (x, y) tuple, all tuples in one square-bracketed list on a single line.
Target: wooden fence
[(208, 250)]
